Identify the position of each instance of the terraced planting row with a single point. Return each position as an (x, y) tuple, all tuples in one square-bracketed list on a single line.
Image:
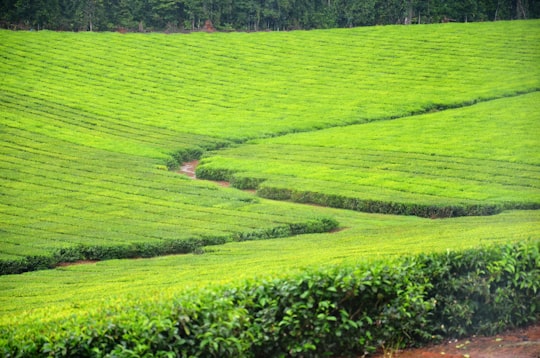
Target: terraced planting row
[(90, 123), (88, 120), (470, 161), (346, 309)]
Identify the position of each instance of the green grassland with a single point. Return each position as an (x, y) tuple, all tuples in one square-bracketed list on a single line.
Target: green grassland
[(90, 123), (149, 90), (89, 119), (480, 156)]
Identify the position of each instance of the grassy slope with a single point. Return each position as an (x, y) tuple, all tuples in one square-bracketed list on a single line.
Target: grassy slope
[(485, 154), (152, 90), (58, 195)]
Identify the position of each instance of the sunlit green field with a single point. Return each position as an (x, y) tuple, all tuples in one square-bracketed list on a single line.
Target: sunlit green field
[(89, 120), (93, 125), (476, 156)]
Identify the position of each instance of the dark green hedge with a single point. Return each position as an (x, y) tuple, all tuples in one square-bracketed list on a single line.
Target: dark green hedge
[(152, 249), (214, 174), (326, 312), (382, 207)]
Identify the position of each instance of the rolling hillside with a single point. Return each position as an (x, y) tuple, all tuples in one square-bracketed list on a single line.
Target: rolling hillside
[(89, 120), (442, 119)]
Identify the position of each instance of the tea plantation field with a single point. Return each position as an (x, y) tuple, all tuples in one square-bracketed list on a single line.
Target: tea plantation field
[(468, 161), (52, 294), (424, 121)]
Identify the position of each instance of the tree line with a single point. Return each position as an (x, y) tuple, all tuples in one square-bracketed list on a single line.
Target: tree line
[(249, 15)]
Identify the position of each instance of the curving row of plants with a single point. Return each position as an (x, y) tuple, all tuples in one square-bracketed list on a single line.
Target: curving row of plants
[(325, 312), (66, 202), (158, 248), (382, 207), (82, 177)]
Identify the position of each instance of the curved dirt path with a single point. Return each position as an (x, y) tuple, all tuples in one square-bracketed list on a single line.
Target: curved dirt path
[(188, 168)]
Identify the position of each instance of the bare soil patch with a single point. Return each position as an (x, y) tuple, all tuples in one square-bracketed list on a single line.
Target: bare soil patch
[(189, 168), (520, 343), (80, 262)]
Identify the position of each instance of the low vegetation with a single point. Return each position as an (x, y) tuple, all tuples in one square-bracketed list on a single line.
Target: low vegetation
[(81, 288), (81, 157), (345, 310), (93, 125), (65, 202)]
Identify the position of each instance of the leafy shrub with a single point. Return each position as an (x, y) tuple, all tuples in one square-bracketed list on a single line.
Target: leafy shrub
[(28, 263), (341, 311), (309, 227), (485, 291), (203, 172), (244, 182), (334, 311)]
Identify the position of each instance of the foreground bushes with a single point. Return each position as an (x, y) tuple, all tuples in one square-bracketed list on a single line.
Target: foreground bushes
[(327, 312)]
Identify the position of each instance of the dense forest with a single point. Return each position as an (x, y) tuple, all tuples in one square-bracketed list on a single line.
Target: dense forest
[(249, 15)]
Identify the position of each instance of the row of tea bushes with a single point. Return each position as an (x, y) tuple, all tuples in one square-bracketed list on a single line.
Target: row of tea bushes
[(321, 312), (283, 189), (63, 202), (380, 206), (159, 248)]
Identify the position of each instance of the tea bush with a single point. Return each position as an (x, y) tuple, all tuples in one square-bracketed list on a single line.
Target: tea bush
[(485, 291), (381, 206), (89, 121), (71, 289), (324, 312)]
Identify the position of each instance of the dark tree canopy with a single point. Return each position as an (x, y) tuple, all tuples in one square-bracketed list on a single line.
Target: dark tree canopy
[(249, 15)]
